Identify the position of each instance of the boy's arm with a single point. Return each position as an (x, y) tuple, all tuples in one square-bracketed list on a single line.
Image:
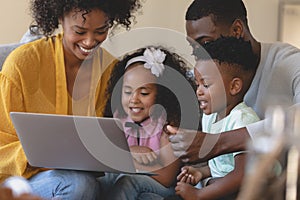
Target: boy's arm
[(205, 171), (229, 184), (193, 174)]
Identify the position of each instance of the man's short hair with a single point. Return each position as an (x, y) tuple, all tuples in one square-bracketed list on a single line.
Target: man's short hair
[(221, 11)]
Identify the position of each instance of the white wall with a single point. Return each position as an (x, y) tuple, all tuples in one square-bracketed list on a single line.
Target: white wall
[(164, 13), (15, 19), (162, 22), (263, 19), (262, 16), (290, 28)]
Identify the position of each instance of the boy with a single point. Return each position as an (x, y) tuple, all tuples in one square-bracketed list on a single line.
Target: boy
[(223, 77)]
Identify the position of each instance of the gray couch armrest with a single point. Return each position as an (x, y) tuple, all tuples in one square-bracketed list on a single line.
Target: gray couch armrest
[(5, 50)]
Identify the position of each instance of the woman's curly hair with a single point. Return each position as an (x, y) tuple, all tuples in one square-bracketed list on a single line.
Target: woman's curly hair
[(47, 13), (165, 97)]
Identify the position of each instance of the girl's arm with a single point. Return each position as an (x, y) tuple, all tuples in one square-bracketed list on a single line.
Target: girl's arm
[(167, 167), (170, 163)]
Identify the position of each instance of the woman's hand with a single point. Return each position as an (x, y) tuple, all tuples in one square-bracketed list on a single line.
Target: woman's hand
[(7, 194)]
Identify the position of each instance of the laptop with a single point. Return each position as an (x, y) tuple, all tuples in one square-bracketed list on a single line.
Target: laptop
[(83, 143)]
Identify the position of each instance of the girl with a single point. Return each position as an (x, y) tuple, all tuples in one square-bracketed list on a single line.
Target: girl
[(140, 98)]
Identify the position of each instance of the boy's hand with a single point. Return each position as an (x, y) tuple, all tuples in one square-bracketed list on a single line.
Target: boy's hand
[(189, 175)]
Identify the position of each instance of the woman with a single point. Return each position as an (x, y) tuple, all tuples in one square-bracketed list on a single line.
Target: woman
[(65, 73)]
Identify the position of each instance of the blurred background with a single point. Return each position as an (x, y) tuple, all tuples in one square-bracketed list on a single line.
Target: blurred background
[(265, 18)]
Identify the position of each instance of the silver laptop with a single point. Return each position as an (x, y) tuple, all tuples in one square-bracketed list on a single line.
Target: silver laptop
[(74, 142)]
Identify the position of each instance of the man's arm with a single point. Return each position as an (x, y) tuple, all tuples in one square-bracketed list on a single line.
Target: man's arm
[(196, 146)]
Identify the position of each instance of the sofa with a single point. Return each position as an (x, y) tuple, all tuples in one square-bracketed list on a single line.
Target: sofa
[(5, 49)]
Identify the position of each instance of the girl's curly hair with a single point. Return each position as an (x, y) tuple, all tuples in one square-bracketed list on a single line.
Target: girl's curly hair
[(165, 97), (47, 13)]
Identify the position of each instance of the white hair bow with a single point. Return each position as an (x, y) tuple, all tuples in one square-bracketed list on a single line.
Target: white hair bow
[(153, 59)]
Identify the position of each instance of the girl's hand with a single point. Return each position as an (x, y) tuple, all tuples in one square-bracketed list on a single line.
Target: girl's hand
[(143, 155)]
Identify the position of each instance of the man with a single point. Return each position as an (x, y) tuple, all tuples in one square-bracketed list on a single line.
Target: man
[(276, 81)]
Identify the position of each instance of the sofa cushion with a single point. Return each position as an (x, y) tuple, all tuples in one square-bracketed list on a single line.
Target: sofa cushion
[(5, 49)]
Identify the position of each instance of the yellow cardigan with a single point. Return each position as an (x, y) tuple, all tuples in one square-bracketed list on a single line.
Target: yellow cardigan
[(33, 79)]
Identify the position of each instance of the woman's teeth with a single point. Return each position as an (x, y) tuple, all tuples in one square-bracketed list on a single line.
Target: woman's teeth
[(86, 50)]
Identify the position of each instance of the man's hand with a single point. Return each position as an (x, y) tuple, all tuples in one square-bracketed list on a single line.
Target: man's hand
[(190, 145)]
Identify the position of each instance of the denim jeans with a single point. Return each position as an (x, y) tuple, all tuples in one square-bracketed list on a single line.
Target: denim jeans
[(65, 185), (131, 187), (150, 196)]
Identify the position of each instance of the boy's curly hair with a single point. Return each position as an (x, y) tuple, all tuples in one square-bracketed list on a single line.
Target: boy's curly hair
[(231, 50), (47, 13), (165, 97), (235, 52)]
